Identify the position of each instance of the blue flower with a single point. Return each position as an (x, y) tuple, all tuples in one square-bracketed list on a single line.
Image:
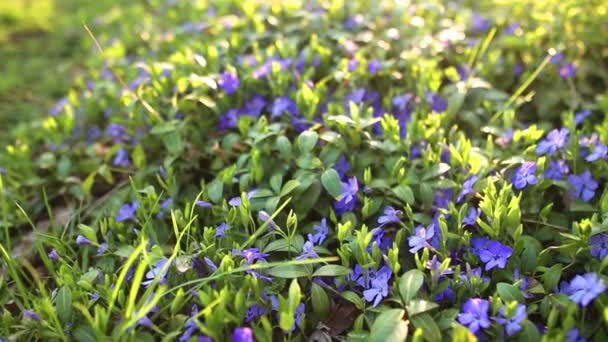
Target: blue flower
[(229, 120), (254, 106), (251, 255), (159, 271), (31, 314), (599, 245), (83, 241), (221, 230), (204, 204), (308, 251), (471, 218), (321, 232), (557, 169), (353, 64), (255, 311), (384, 242), (493, 254), (583, 289), (282, 105), (467, 188), (117, 132), (599, 152), (359, 276), (555, 140), (512, 324), (557, 58), (163, 207), (474, 314), (244, 334), (348, 198), (574, 335), (525, 175), (374, 66), (480, 24), (237, 201), (422, 238), (122, 158), (379, 286), (567, 71), (584, 185), (581, 116), (53, 255), (391, 215), (343, 166), (229, 82), (59, 107), (127, 212), (438, 104)]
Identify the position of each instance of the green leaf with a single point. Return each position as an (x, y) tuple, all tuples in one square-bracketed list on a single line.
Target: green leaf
[(509, 293), (320, 301), (389, 326), (289, 187), (332, 271), (353, 298), (124, 251), (410, 283), (436, 170), (529, 332), (551, 277), (63, 304), (331, 182), (430, 329), (307, 141), (417, 306), (404, 193), (282, 245), (215, 191), (289, 271), (284, 146), (85, 333)]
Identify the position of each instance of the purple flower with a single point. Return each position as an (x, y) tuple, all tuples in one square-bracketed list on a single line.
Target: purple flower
[(479, 23), (434, 266), (102, 249), (93, 133), (59, 106), (53, 255), (343, 166), (422, 238), (512, 28), (567, 71), (122, 158), (254, 106), (475, 314), (348, 198), (251, 255), (599, 245), (599, 152), (321, 232), (229, 120), (391, 215), (229, 82), (585, 288), (163, 207), (190, 325), (221, 230), (584, 185), (117, 132), (159, 271), (31, 315), (384, 242), (379, 286), (557, 58), (443, 198), (83, 241), (244, 334), (145, 321), (353, 64), (438, 104), (495, 254), (127, 212), (282, 105), (512, 324), (472, 216), (555, 140), (525, 175), (204, 204), (308, 251), (518, 69), (467, 188), (581, 116), (236, 201), (374, 66), (255, 311), (557, 170), (574, 335)]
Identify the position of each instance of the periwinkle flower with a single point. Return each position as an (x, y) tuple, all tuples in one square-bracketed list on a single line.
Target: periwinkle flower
[(600, 151), (204, 204), (31, 314), (251, 255), (583, 289), (221, 230), (581, 116), (599, 245), (568, 70), (159, 271), (59, 107), (438, 104), (83, 241), (283, 105), (584, 186), (574, 335), (343, 166), (557, 169), (255, 311), (254, 106), (244, 334), (117, 132), (320, 234), (348, 198), (391, 215), (353, 64), (525, 175), (512, 324), (495, 254), (374, 66), (471, 218), (229, 82), (422, 238), (237, 201), (467, 188), (308, 251), (557, 58), (54, 255), (378, 286), (474, 314), (127, 212), (122, 158), (229, 120), (479, 23), (555, 140)]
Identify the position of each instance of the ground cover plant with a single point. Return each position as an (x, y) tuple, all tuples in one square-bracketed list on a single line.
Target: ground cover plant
[(315, 171)]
